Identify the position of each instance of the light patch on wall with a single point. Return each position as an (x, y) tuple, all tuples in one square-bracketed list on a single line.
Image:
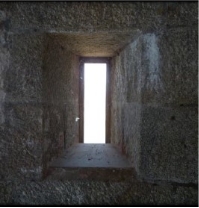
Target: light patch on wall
[(153, 56), (30, 142), (33, 170), (135, 49)]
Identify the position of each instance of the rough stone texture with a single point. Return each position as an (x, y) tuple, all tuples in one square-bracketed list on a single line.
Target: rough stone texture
[(88, 192), (155, 102), (171, 59), (99, 16), (110, 174), (169, 106), (92, 16), (126, 97), (169, 144), (98, 44), (147, 108), (21, 133), (60, 86), (4, 64)]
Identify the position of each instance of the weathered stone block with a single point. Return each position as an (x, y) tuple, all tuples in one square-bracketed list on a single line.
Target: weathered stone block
[(23, 80), (131, 126), (154, 73), (60, 98), (181, 14), (153, 76), (93, 16), (169, 144), (169, 72), (22, 110), (21, 155), (4, 65)]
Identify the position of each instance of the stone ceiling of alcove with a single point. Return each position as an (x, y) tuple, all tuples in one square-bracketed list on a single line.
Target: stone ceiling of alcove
[(102, 44)]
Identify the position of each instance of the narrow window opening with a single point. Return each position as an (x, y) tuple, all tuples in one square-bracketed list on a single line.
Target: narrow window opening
[(95, 102)]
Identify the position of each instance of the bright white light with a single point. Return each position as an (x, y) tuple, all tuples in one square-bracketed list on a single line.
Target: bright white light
[(94, 102)]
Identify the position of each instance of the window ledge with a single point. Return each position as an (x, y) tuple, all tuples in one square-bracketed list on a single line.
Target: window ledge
[(98, 162)]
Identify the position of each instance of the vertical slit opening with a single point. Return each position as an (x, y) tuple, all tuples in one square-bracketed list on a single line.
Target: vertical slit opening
[(95, 102)]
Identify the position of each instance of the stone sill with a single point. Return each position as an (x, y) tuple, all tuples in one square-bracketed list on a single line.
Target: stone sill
[(93, 162)]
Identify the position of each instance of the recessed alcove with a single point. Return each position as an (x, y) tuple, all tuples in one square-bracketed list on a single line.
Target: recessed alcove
[(153, 112), (62, 61)]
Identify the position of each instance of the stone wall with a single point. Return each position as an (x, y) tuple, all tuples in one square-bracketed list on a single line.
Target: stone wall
[(22, 108), (4, 66), (93, 193), (169, 135), (153, 114), (98, 16), (60, 99), (154, 104), (126, 97)]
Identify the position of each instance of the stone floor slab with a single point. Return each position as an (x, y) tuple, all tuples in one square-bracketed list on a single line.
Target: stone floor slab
[(92, 156)]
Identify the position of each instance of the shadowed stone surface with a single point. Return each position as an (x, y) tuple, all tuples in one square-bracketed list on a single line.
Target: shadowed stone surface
[(100, 44), (56, 192), (153, 46), (169, 144), (92, 156), (155, 106), (21, 131), (60, 99)]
